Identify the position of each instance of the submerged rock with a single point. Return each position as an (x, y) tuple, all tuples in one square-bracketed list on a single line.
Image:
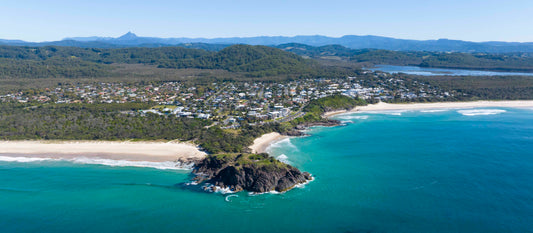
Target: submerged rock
[(251, 172)]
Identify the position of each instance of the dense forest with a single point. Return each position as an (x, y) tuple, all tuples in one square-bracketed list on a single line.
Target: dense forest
[(481, 61), (482, 88), (72, 62)]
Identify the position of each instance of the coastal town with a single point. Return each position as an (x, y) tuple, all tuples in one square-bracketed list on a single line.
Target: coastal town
[(228, 103)]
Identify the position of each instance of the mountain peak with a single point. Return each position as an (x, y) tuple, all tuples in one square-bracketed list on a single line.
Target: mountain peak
[(128, 36)]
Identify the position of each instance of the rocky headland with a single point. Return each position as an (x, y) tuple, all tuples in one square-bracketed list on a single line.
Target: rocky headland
[(251, 172)]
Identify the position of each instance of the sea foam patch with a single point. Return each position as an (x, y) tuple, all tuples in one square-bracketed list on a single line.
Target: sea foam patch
[(22, 159), (388, 112), (126, 163), (106, 162), (283, 158), (356, 117), (282, 143), (480, 112), (434, 110)]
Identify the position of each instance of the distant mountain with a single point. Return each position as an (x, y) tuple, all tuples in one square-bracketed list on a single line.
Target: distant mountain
[(350, 41)]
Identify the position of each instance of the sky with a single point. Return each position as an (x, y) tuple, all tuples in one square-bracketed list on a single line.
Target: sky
[(471, 20)]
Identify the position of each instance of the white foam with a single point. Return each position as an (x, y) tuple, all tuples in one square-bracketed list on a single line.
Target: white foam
[(305, 183), (283, 158), (217, 189), (22, 159), (388, 112), (301, 185), (434, 110), (127, 163), (107, 162), (282, 143), (191, 183), (356, 117), (481, 112), (232, 195), (394, 113)]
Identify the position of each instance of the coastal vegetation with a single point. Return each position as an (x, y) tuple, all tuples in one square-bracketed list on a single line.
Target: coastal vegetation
[(483, 88), (125, 122), (317, 107)]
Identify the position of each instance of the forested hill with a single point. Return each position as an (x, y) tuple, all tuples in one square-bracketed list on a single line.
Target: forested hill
[(255, 60), (482, 61), (72, 62)]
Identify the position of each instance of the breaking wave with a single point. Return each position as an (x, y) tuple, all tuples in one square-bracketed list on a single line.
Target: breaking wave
[(217, 189), (22, 159), (107, 162), (126, 163), (282, 143), (358, 117), (301, 185), (388, 112), (434, 110), (481, 112), (283, 158)]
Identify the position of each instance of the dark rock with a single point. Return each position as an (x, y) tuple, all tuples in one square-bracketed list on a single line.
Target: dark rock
[(241, 173)]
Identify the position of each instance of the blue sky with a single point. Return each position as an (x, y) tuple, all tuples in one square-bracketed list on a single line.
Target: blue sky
[(473, 20)]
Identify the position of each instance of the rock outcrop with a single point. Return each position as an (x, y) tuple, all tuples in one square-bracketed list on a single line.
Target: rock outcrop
[(251, 172)]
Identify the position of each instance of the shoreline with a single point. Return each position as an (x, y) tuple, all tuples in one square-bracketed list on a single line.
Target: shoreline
[(382, 106), (123, 150), (262, 143)]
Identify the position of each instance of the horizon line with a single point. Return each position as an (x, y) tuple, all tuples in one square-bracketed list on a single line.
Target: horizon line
[(242, 37)]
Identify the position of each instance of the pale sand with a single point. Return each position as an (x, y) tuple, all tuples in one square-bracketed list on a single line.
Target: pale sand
[(133, 151), (381, 106), (261, 144)]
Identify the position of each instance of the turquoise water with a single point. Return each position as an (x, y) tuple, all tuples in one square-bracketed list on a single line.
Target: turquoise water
[(425, 71), (432, 171)]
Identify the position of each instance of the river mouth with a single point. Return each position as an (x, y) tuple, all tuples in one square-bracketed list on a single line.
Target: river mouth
[(425, 71)]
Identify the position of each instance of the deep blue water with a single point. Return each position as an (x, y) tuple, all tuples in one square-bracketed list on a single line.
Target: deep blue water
[(416, 70), (432, 171)]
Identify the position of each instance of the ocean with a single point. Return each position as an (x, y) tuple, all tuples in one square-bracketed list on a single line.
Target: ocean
[(453, 170)]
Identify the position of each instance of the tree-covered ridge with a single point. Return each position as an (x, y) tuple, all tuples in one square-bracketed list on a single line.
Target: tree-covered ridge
[(72, 62), (510, 62), (106, 56), (255, 60)]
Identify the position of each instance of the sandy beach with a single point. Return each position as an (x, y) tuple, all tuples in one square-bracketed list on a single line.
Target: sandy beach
[(132, 151), (381, 106), (261, 144)]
